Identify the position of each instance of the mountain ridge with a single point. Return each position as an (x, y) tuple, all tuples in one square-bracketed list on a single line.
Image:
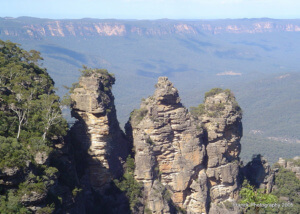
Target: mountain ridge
[(30, 27)]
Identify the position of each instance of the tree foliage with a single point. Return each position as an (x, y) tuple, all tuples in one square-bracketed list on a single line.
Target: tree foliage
[(130, 186), (288, 187), (198, 111), (30, 118), (27, 95), (12, 153), (11, 204), (216, 110), (253, 197)]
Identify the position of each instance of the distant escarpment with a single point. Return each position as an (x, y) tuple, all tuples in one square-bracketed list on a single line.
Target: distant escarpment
[(39, 28), (186, 162)]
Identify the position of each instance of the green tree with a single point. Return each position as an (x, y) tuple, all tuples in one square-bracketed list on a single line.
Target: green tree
[(288, 186), (12, 153), (29, 94), (130, 186), (11, 204), (50, 110), (252, 197), (30, 117)]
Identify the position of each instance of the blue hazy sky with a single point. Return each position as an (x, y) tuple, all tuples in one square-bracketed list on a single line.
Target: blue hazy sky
[(151, 9)]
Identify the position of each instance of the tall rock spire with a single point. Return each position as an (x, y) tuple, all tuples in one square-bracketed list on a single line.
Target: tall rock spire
[(186, 161), (100, 143), (221, 120), (169, 152)]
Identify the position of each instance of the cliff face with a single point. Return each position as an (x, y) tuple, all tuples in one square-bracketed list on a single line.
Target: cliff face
[(186, 162), (169, 152), (223, 131), (40, 28), (100, 145)]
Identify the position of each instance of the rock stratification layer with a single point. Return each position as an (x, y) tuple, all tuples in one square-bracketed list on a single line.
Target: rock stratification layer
[(169, 151), (40, 28), (221, 120), (100, 143), (186, 161)]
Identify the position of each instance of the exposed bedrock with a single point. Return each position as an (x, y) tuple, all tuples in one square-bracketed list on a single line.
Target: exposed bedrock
[(101, 145), (222, 125), (186, 162)]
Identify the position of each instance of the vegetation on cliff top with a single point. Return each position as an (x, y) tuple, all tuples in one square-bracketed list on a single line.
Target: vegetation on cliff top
[(87, 72), (107, 80), (216, 109)]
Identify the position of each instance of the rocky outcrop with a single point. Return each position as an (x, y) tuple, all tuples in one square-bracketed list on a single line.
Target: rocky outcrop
[(221, 120), (185, 161), (292, 165), (195, 159), (169, 152), (98, 139), (259, 173), (10, 176), (100, 146)]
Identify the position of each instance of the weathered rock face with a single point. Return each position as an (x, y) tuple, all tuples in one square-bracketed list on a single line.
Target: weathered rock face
[(10, 176), (169, 152), (100, 144), (186, 162), (221, 120), (259, 173)]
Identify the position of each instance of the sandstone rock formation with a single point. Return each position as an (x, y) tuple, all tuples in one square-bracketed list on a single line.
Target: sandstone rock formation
[(291, 165), (259, 173), (221, 120), (186, 162), (100, 144)]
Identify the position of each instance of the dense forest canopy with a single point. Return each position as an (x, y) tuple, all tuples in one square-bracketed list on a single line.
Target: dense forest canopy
[(30, 121)]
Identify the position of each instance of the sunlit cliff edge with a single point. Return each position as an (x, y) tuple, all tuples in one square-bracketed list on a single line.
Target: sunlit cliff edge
[(39, 28)]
